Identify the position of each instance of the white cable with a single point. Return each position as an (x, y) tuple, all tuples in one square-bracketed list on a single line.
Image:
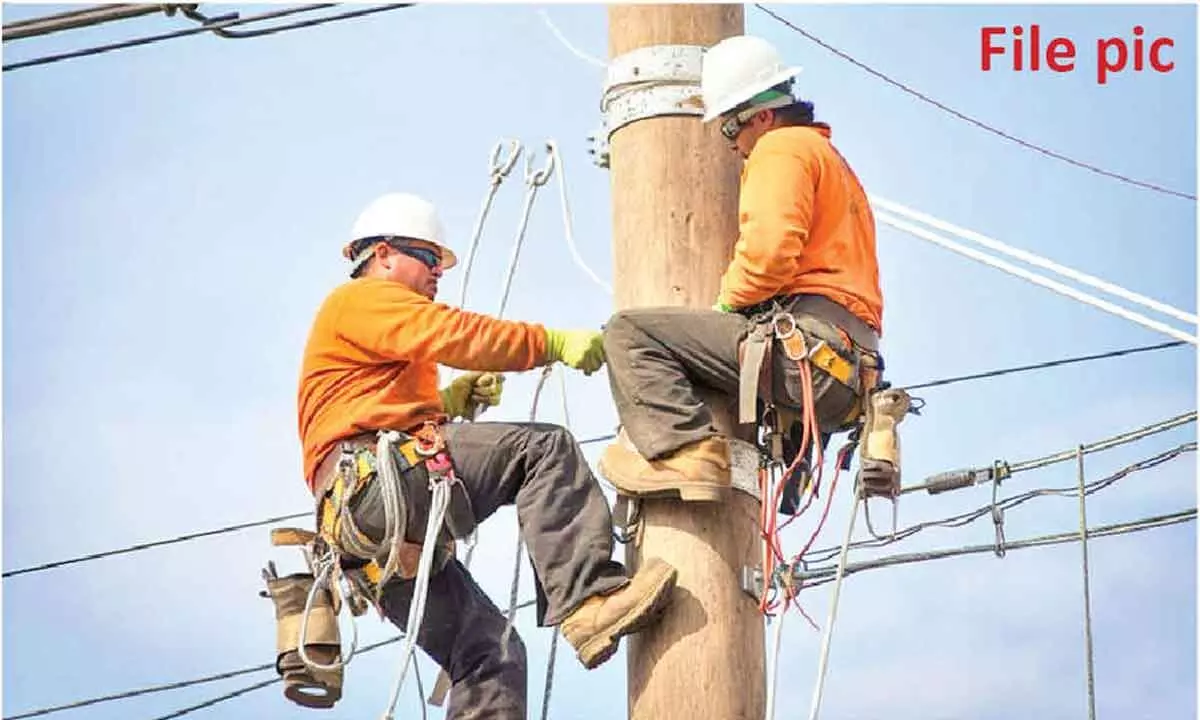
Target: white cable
[(1035, 260), (552, 146), (773, 670), (823, 663), (567, 43), (1037, 279)]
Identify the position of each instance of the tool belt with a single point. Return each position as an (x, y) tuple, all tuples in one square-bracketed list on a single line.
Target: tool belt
[(840, 349), (348, 478)]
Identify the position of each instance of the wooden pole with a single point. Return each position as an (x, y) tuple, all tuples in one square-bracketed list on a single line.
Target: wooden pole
[(674, 190)]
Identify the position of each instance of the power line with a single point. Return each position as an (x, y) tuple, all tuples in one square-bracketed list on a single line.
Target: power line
[(820, 576), (1044, 365), (201, 681), (587, 441), (241, 35), (84, 17), (197, 535), (978, 123), (1005, 504), (214, 25)]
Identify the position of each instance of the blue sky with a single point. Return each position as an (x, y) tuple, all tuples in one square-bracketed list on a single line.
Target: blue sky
[(173, 216)]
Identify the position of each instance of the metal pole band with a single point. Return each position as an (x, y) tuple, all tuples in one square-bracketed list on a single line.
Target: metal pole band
[(652, 81)]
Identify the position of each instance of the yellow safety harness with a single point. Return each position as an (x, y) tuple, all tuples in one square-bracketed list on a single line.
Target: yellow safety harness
[(307, 604)]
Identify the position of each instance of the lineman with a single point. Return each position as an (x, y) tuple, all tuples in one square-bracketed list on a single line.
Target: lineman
[(805, 251), (371, 364)]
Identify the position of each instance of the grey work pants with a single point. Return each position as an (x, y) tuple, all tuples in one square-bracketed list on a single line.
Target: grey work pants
[(657, 357), (567, 527)]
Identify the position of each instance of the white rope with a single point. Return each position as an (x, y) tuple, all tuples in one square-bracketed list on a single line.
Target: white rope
[(321, 579), (440, 499), (1037, 279), (497, 171), (1035, 260), (567, 43), (1087, 593), (569, 233), (534, 180), (827, 636), (773, 668)]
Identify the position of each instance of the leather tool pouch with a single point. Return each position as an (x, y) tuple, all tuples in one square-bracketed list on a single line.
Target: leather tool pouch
[(303, 685)]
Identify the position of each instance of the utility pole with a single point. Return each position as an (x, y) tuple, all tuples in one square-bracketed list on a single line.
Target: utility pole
[(674, 190)]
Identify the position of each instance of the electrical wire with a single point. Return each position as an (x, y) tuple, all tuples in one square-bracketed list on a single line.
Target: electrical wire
[(214, 25), (241, 35), (1045, 365), (1008, 503), (200, 681), (606, 438), (202, 534), (821, 576), (973, 121), (1058, 287)]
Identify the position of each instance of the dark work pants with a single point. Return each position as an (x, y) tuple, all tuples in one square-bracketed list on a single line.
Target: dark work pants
[(567, 529), (658, 356)]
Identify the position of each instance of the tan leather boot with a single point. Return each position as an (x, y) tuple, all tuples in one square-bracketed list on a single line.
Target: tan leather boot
[(595, 628), (697, 472)]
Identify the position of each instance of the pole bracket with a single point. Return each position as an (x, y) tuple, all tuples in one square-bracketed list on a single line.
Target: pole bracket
[(652, 81)]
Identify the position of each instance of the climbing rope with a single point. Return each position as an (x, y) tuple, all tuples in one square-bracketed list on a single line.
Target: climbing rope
[(568, 230), (499, 168), (534, 180)]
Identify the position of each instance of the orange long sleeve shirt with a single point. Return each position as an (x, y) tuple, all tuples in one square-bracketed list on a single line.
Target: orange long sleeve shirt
[(372, 356), (805, 226)]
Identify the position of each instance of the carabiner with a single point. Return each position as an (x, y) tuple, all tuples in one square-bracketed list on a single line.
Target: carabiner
[(500, 170), (542, 176), (791, 320)]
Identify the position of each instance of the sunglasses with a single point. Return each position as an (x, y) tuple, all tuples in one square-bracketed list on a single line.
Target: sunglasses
[(429, 258), (731, 128)]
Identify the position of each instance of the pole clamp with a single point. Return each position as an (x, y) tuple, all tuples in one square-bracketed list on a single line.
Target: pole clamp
[(652, 81)]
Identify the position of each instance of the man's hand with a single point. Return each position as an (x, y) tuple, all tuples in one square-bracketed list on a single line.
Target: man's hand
[(579, 349), (470, 391)]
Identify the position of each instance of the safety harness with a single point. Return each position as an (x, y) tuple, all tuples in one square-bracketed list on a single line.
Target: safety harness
[(811, 333), (342, 553)]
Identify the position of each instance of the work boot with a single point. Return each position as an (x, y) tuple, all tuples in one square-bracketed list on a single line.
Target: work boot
[(699, 471), (595, 628)]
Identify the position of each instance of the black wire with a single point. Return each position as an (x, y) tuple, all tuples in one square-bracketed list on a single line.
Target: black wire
[(200, 681), (239, 35), (1044, 365), (214, 25), (156, 543), (197, 535), (967, 118)]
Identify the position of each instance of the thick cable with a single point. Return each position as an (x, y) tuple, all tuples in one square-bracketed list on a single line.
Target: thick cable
[(821, 576), (1036, 279), (1032, 259), (977, 123), (242, 35), (773, 667), (1087, 593), (84, 17), (218, 23), (1107, 443)]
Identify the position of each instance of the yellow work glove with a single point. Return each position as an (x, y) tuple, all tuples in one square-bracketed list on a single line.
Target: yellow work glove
[(470, 391), (579, 349)]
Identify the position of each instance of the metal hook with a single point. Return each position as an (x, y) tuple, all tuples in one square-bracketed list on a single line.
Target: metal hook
[(542, 176), (500, 170)]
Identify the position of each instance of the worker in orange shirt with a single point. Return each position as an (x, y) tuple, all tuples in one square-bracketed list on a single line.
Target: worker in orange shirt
[(804, 258), (371, 366)]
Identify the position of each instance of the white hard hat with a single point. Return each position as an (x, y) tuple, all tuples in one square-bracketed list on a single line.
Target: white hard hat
[(738, 68), (399, 215)]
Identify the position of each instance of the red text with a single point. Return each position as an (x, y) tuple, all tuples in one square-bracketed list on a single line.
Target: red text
[(1029, 49)]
